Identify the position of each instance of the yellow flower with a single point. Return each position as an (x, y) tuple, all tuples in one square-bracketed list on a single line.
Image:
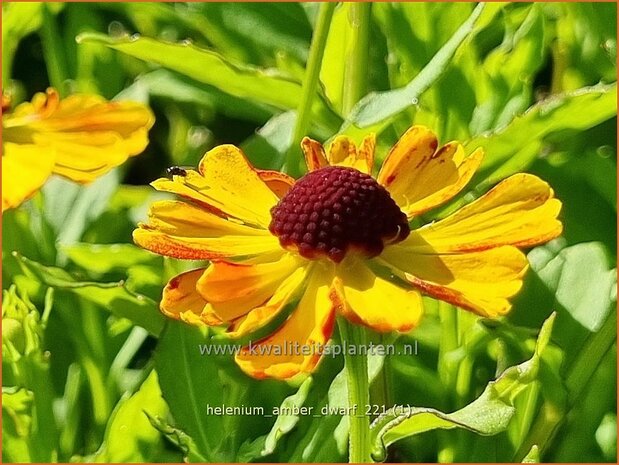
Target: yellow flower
[(287, 256), (81, 138)]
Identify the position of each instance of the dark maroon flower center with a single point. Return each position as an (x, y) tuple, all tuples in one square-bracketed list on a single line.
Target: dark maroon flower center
[(334, 209)]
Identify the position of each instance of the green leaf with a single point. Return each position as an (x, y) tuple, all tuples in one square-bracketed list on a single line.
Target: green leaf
[(104, 258), (581, 280), (588, 38), (323, 436), (163, 83), (195, 383), (267, 148), (70, 207), (188, 383), (255, 32), (129, 435), (286, 420), (489, 414), (512, 148), (179, 438), (377, 108), (113, 297), (505, 83), (265, 86)]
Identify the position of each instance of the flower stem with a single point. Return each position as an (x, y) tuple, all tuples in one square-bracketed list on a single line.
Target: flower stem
[(53, 51), (356, 366), (304, 110), (356, 71)]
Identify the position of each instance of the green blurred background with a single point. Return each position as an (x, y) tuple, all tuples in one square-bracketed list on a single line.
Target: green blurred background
[(534, 84)]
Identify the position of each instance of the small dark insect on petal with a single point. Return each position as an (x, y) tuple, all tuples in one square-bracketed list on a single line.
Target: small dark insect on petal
[(175, 171)]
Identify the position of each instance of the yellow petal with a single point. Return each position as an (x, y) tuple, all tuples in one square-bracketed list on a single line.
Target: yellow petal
[(365, 153), (442, 178), (182, 301), (232, 290), (296, 346), (181, 230), (343, 152), (89, 134), (24, 170), (280, 183), (205, 248), (419, 177), (225, 183), (366, 299), (478, 281), (407, 157), (286, 296), (315, 157), (83, 157), (183, 219), (519, 211)]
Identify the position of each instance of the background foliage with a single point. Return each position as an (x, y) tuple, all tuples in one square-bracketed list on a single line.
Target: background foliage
[(92, 372)]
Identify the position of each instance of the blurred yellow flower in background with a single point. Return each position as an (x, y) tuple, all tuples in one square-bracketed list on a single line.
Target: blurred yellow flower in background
[(287, 256), (80, 137)]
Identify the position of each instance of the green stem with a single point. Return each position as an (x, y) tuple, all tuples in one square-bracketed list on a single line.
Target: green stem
[(356, 367), (53, 51), (356, 71), (381, 387), (304, 110)]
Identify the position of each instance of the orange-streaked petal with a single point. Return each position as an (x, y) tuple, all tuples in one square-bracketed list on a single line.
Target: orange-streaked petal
[(181, 230), (232, 290), (295, 347), (280, 183), (315, 157), (225, 183), (478, 281), (25, 168), (519, 211), (178, 218), (407, 157), (90, 135), (182, 301), (235, 248), (286, 296), (367, 299), (419, 177), (443, 177)]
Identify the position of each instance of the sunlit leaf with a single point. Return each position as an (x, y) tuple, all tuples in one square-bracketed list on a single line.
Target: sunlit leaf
[(255, 32), (489, 414), (104, 258), (129, 435), (192, 381), (581, 279), (213, 69), (512, 148)]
